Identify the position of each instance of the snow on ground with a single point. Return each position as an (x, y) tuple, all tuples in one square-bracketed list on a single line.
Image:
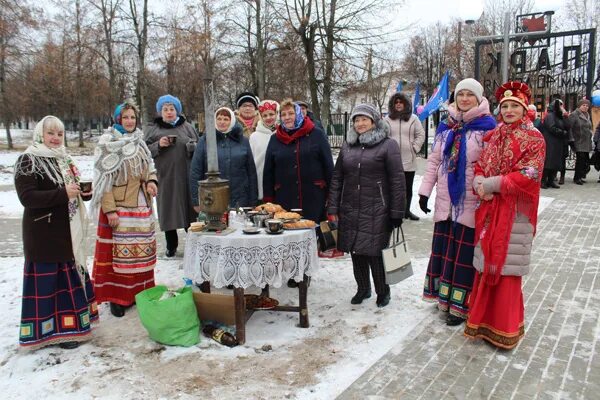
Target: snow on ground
[(122, 362)]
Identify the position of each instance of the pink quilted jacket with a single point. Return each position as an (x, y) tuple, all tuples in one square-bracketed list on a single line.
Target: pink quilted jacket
[(434, 174)]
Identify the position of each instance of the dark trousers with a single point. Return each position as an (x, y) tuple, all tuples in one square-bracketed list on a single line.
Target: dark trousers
[(548, 177), (172, 240), (409, 176), (582, 159), (361, 265)]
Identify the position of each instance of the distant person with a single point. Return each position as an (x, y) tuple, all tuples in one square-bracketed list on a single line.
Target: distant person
[(366, 200), (236, 162), (247, 112), (507, 182), (172, 141), (456, 148), (408, 132), (556, 135), (125, 183), (580, 126), (58, 302)]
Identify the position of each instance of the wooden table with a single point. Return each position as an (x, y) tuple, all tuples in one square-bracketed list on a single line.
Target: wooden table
[(260, 260)]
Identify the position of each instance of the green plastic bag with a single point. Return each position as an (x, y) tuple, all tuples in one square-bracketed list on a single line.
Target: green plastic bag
[(172, 321)]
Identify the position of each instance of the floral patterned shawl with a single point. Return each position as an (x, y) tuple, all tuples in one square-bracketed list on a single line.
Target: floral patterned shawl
[(516, 152)]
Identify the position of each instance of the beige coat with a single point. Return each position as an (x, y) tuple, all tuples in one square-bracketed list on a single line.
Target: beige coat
[(410, 135), (127, 195)]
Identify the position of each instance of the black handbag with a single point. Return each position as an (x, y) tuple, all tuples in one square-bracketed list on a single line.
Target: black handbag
[(327, 235), (595, 160)]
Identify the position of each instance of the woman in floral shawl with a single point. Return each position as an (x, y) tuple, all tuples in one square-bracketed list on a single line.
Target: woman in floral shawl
[(124, 184), (58, 301), (507, 180)]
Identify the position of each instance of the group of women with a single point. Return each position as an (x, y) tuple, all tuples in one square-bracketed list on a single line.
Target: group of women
[(487, 180)]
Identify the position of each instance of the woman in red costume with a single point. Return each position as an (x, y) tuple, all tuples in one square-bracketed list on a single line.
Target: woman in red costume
[(507, 180)]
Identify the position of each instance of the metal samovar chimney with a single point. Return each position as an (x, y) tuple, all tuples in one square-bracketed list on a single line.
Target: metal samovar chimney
[(213, 192)]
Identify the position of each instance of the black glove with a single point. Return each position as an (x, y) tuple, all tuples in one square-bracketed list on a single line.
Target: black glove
[(423, 203), (396, 222), (572, 146)]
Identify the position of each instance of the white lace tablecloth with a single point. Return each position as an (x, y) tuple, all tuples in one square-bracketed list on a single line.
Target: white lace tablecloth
[(250, 260)]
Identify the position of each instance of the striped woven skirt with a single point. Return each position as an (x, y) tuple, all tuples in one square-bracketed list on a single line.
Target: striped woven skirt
[(497, 312), (125, 257), (57, 307), (450, 273)]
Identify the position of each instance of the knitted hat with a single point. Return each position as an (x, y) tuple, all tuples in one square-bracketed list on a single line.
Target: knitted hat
[(582, 102), (246, 97), (168, 99), (472, 86), (366, 110), (514, 91), (302, 103)]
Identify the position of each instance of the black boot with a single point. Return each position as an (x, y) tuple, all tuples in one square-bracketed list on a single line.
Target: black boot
[(117, 310), (360, 296), (68, 345), (292, 283), (411, 216), (383, 299), (453, 320)]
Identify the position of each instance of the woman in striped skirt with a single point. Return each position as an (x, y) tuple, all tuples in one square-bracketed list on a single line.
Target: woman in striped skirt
[(58, 301), (124, 182)]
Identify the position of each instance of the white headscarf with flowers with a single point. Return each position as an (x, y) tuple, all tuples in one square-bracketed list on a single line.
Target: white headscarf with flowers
[(58, 166)]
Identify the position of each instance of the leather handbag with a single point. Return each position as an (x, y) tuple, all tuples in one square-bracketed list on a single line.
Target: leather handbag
[(396, 259), (327, 235)]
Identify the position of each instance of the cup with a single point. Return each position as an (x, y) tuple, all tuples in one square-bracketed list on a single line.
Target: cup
[(274, 225), (172, 139), (85, 186)]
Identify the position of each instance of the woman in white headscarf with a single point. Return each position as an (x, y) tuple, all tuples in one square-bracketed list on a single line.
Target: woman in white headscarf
[(58, 300)]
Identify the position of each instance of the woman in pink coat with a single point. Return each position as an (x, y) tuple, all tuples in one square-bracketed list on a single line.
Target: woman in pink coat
[(458, 143)]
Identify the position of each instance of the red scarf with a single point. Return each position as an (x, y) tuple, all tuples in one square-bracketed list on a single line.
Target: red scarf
[(287, 138), (516, 152)]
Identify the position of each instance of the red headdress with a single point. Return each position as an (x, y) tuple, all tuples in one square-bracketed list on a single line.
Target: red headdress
[(268, 105), (514, 91)]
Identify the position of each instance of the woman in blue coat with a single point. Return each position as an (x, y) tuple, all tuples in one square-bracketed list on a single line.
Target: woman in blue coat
[(298, 164), (236, 162)]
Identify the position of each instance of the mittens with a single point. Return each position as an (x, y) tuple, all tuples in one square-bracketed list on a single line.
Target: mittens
[(423, 203)]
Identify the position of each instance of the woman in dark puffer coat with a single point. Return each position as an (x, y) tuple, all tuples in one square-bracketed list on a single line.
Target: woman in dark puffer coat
[(367, 196)]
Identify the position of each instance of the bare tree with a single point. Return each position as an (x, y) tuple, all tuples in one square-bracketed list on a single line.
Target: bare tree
[(15, 18)]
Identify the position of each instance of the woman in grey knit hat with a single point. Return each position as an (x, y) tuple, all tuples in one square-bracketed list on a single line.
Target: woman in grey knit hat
[(366, 200)]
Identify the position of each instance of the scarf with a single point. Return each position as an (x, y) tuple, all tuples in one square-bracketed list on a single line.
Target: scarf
[(59, 167), (288, 136), (516, 152), (297, 122), (454, 155), (118, 157), (370, 138)]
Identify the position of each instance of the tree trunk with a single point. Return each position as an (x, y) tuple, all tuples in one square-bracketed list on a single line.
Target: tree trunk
[(328, 73), (308, 42), (78, 79)]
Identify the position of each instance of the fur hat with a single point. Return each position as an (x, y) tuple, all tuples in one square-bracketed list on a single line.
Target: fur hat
[(582, 102), (472, 86), (366, 110), (246, 97), (168, 99), (518, 92)]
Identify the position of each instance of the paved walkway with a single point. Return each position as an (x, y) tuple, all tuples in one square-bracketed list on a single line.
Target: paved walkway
[(559, 356)]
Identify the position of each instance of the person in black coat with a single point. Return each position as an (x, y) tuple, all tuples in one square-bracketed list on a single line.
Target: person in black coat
[(298, 164), (368, 198), (556, 134), (236, 162)]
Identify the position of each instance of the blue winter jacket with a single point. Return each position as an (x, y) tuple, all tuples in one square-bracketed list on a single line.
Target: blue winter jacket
[(236, 164)]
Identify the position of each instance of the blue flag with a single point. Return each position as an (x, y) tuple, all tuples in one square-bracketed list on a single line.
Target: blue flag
[(440, 95), (417, 98), (399, 86)]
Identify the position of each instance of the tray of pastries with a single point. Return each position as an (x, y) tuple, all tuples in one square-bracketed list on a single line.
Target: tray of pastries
[(269, 207), (286, 216), (301, 224)]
